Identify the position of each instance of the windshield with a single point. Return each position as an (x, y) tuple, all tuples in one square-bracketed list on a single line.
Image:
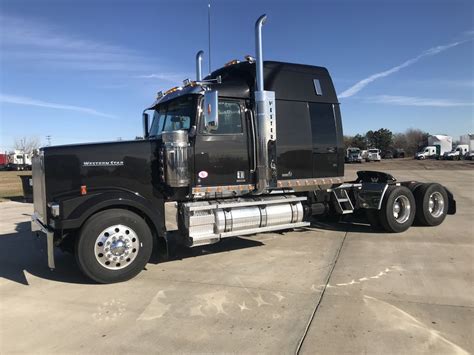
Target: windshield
[(373, 150), (174, 115)]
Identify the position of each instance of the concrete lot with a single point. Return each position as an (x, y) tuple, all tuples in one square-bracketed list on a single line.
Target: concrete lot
[(382, 293)]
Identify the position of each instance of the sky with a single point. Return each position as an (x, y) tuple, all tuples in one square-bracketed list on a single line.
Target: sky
[(83, 71)]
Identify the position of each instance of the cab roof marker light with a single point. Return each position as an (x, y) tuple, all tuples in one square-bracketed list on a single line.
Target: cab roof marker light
[(232, 62), (176, 88), (249, 59)]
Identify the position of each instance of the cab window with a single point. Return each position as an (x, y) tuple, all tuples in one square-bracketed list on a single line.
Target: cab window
[(158, 121), (230, 118), (174, 115), (178, 115)]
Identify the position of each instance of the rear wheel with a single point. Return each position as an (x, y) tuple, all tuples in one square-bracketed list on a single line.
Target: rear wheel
[(431, 204), (398, 209), (113, 246)]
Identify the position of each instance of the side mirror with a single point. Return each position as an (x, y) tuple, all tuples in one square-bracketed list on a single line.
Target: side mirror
[(146, 133), (211, 111)]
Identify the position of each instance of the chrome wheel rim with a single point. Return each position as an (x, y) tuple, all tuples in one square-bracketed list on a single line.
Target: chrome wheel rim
[(401, 209), (116, 247), (436, 204)]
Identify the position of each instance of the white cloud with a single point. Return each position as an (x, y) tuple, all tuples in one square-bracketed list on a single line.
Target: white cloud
[(37, 42), (171, 77), (19, 100), (429, 52), (417, 101)]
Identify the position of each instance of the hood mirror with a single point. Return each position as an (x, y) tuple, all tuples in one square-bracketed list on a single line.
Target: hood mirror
[(211, 111)]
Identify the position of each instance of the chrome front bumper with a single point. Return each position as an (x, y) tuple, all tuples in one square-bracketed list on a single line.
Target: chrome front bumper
[(37, 228)]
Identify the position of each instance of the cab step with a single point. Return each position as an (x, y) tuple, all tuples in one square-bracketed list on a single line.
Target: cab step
[(342, 202)]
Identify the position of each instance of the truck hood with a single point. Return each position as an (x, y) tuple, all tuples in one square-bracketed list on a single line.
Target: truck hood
[(123, 165)]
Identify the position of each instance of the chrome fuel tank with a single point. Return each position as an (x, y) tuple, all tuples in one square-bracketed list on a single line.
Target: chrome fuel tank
[(209, 221)]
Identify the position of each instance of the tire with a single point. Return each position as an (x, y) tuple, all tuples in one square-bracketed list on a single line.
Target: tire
[(439, 204), (373, 216), (95, 247), (397, 222)]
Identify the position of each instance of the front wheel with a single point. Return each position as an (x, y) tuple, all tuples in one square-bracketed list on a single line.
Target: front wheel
[(113, 246), (398, 209)]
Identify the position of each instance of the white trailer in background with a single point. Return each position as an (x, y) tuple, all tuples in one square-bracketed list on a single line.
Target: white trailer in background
[(19, 160), (442, 143)]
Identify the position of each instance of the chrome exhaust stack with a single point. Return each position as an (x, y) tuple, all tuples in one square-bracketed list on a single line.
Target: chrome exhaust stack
[(258, 49), (266, 124), (199, 65)]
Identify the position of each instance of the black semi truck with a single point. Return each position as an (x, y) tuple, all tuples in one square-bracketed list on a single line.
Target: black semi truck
[(255, 146)]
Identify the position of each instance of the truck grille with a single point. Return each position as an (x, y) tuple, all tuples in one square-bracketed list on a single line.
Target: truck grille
[(39, 189)]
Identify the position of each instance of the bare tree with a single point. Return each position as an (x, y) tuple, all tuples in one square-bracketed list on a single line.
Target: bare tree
[(27, 144), (416, 139), (400, 141)]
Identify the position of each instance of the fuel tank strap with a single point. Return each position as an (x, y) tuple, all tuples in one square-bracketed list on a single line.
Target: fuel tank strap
[(232, 204)]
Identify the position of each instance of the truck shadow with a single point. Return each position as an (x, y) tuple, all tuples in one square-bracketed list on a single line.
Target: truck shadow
[(23, 254), (355, 223), (180, 252)]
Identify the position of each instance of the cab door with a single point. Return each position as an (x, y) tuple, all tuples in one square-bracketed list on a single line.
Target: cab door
[(221, 156)]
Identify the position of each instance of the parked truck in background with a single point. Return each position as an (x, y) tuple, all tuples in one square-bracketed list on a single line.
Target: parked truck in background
[(19, 160), (353, 155), (387, 154), (255, 146), (458, 153), (429, 152), (469, 140), (438, 145), (3, 161), (373, 155), (399, 153)]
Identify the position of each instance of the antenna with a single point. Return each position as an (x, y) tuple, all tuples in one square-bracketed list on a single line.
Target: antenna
[(48, 138), (209, 32)]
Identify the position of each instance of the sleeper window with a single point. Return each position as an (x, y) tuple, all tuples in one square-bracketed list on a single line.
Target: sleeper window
[(323, 124)]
